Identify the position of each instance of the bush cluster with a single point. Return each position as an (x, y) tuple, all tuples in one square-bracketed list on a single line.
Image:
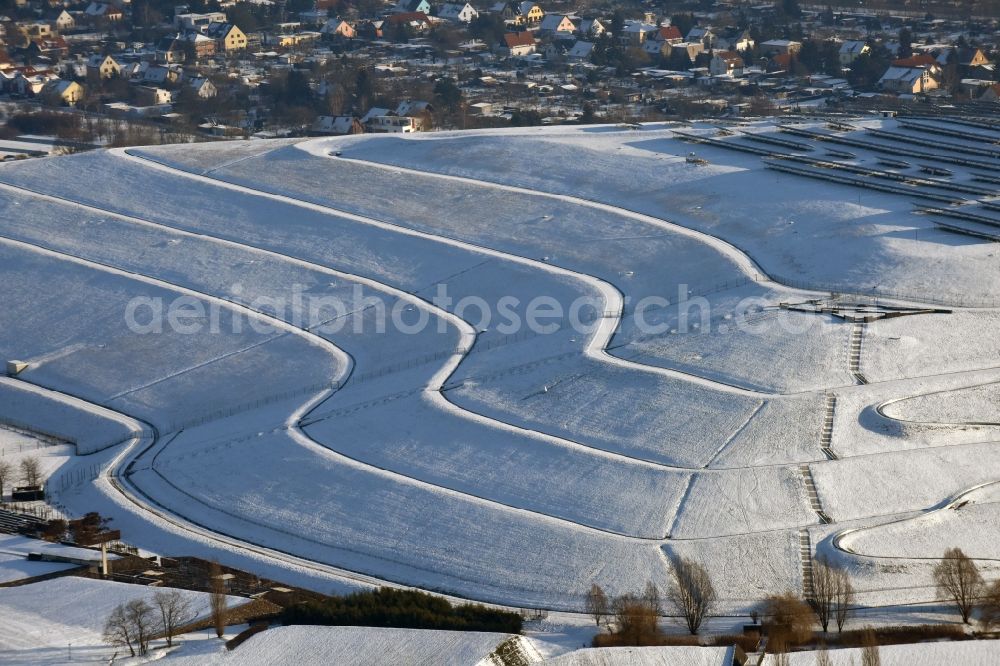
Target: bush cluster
[(387, 607)]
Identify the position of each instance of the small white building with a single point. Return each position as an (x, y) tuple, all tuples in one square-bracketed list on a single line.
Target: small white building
[(392, 124), (202, 87), (458, 13), (726, 63)]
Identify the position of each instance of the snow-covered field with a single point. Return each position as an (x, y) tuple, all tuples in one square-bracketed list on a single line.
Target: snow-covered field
[(663, 656), (48, 622), (350, 646), (967, 653), (685, 416)]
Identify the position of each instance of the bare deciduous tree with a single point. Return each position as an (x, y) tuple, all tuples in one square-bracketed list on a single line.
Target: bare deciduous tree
[(843, 597), (130, 625), (139, 615), (217, 599), (31, 471), (692, 592), (175, 612), (869, 648), (597, 604), (958, 579), (824, 591), (6, 472), (118, 629), (651, 595)]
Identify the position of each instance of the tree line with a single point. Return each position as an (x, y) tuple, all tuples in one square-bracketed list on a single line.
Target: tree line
[(787, 619)]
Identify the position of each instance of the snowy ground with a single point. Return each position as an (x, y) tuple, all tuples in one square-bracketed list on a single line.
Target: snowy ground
[(61, 620), (349, 646), (968, 653), (508, 466)]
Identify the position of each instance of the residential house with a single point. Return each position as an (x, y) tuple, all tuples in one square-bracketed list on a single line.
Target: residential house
[(35, 30), (54, 47), (780, 47), (458, 13), (102, 67), (991, 93), (580, 51), (669, 34), (781, 62), (62, 93), (517, 44), (130, 69), (64, 21), (228, 37), (374, 112), (419, 111), (392, 124), (339, 28), (691, 48), (418, 22), (201, 45), (412, 6), (162, 75), (556, 24), (922, 61), (152, 96), (656, 48), (972, 57), (635, 33), (520, 13), (98, 11), (703, 35), (726, 63), (7, 77), (413, 108), (371, 30), (591, 27), (338, 125), (556, 49), (907, 80), (170, 50), (481, 109), (202, 87), (851, 50), (29, 82), (743, 41), (966, 58), (199, 22)]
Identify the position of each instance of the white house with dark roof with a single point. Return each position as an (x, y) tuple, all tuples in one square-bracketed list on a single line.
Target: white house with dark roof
[(458, 13), (907, 80), (557, 24), (851, 50)]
